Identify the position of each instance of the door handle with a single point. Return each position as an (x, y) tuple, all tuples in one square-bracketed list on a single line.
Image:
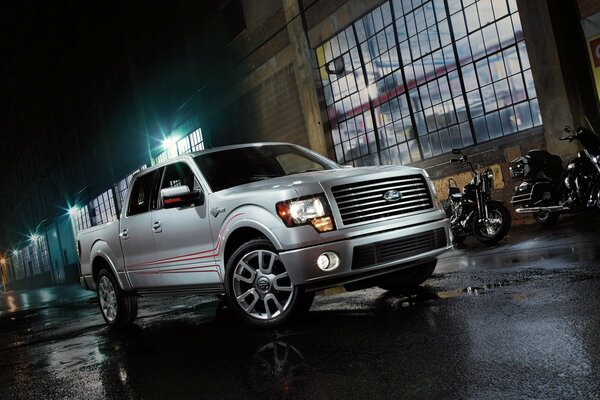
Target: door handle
[(124, 235), (157, 227)]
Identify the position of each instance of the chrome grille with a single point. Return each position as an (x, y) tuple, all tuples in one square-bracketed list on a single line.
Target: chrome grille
[(364, 201)]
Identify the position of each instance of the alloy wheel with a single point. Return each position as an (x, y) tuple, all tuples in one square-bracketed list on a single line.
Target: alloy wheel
[(108, 298), (261, 285)]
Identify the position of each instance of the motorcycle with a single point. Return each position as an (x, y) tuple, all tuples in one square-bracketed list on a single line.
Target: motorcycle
[(473, 212), (548, 190)]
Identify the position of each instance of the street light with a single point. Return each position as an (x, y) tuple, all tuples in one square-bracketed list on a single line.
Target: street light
[(168, 143)]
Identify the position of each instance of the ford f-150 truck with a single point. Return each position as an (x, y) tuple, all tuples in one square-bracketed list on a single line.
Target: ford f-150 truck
[(266, 225)]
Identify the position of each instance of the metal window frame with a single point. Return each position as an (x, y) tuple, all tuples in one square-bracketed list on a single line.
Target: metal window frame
[(371, 38)]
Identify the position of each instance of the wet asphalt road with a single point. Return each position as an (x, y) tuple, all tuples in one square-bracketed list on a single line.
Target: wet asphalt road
[(518, 320)]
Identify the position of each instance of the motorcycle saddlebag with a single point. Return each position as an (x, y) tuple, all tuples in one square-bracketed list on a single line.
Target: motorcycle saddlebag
[(532, 193)]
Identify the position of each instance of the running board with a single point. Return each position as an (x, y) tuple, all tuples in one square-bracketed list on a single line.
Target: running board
[(178, 290), (551, 209)]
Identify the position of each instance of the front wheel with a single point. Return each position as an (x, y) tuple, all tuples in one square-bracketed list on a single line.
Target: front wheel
[(495, 227), (119, 308), (259, 287)]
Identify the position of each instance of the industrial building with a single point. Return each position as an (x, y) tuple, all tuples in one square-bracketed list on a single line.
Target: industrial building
[(364, 82)]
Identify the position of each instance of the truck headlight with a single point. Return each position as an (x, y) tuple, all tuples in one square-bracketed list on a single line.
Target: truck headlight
[(312, 210), (436, 202)]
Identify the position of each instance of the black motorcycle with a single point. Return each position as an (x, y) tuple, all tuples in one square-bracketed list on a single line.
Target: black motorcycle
[(548, 190), (474, 212)]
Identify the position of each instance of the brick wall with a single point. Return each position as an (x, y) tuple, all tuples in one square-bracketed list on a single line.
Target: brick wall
[(499, 152), (270, 111), (588, 7)]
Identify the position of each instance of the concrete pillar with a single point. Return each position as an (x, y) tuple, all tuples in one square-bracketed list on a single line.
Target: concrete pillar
[(547, 75), (307, 88)]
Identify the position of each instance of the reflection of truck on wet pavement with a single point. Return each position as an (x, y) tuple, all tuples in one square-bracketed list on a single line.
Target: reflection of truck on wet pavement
[(267, 225)]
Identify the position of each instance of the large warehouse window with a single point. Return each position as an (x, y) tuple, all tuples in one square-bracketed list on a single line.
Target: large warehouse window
[(413, 79)]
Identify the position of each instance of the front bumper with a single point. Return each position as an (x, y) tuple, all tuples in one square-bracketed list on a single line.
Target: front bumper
[(302, 268)]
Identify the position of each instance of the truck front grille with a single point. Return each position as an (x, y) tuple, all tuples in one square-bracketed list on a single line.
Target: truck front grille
[(365, 201), (397, 249)]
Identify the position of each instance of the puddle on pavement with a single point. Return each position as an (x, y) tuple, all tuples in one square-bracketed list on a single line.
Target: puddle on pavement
[(423, 294)]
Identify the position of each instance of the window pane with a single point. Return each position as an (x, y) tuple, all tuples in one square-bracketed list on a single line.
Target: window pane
[(482, 80)]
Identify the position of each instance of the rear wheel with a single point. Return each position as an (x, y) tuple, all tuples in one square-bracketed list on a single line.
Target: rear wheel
[(119, 308), (411, 278), (495, 227), (546, 218), (259, 287)]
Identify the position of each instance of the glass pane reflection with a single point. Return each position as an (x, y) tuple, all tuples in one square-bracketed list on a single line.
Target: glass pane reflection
[(398, 89)]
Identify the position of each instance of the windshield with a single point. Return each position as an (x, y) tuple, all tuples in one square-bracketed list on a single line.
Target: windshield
[(228, 168)]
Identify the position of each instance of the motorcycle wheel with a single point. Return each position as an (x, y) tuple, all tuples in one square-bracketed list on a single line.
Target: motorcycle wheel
[(496, 227), (545, 218)]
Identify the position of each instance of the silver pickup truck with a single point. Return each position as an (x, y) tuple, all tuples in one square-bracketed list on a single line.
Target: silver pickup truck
[(266, 225)]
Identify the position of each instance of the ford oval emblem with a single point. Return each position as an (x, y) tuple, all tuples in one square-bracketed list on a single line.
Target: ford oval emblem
[(392, 195)]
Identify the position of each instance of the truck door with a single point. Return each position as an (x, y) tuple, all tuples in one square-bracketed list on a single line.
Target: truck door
[(184, 247), (136, 232)]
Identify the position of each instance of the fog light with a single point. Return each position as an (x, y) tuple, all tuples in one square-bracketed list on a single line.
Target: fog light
[(328, 261)]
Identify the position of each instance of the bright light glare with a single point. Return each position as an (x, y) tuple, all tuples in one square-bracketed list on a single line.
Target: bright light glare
[(3, 261), (73, 211), (169, 142), (35, 237)]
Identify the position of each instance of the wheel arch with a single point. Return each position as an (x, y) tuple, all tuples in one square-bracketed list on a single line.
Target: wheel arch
[(100, 260), (241, 230), (238, 237)]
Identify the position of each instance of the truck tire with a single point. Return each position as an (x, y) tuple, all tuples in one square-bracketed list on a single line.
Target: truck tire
[(259, 288), (412, 277), (119, 308)]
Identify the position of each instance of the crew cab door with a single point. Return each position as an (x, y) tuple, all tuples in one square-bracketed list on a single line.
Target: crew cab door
[(184, 247), (136, 232)]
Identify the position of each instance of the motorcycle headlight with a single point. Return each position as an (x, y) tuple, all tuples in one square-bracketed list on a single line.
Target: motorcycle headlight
[(313, 210)]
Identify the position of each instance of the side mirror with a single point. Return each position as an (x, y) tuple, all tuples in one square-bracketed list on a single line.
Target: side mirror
[(180, 196), (456, 151)]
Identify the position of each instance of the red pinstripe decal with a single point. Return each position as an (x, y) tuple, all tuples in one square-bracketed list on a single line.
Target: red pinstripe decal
[(186, 257), (187, 270)]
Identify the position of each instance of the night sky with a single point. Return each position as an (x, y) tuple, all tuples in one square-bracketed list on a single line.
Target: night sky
[(63, 61), (59, 58)]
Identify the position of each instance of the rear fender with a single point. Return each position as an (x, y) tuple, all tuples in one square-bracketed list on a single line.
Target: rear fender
[(101, 249)]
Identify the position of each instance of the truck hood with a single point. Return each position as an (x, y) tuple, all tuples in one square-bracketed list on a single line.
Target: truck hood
[(316, 181)]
